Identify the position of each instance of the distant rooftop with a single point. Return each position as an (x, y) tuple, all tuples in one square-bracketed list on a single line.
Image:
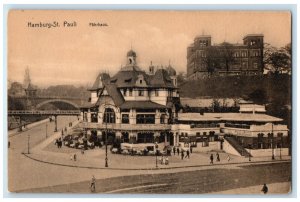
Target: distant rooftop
[(227, 117)]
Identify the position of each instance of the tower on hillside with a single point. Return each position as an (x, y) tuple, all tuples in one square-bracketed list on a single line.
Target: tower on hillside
[(27, 79)]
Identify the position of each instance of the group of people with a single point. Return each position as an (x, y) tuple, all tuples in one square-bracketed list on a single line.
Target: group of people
[(164, 160), (217, 158), (73, 157), (182, 152), (58, 142)]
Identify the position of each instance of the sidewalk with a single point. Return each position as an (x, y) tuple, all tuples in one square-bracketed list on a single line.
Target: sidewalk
[(273, 188), (95, 159), (29, 126)]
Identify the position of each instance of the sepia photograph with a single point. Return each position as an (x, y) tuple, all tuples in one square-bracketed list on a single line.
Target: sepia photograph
[(149, 102)]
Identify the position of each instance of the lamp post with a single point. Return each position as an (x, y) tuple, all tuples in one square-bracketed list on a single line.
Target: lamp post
[(28, 145), (249, 152), (46, 130), (106, 159), (280, 150), (273, 157), (156, 152)]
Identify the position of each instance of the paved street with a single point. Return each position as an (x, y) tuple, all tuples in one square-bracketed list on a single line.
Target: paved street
[(189, 182), (49, 169)]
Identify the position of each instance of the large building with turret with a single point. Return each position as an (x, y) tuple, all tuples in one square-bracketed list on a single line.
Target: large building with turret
[(205, 59), (135, 106)]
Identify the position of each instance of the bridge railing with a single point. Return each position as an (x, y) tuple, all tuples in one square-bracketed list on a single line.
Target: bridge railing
[(43, 112)]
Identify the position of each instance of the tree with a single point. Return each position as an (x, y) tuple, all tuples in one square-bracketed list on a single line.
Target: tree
[(258, 96), (16, 89), (277, 60), (180, 78)]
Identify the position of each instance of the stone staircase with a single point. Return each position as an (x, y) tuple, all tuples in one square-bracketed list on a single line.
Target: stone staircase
[(239, 148)]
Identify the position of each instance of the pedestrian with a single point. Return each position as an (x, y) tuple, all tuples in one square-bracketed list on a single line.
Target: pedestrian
[(164, 160), (187, 154), (75, 157), (265, 189), (62, 132), (161, 160), (218, 157), (191, 149), (167, 161), (211, 159), (228, 158), (56, 142), (71, 157), (8, 144), (178, 151), (82, 151), (182, 154), (174, 151), (93, 184), (65, 129)]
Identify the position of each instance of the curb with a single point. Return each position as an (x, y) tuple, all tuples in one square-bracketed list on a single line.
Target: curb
[(167, 168)]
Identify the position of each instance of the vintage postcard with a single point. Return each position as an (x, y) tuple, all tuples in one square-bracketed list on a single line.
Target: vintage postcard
[(149, 102)]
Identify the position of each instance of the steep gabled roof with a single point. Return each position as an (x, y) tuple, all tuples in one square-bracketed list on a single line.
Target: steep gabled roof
[(162, 79), (100, 80), (128, 77), (115, 94)]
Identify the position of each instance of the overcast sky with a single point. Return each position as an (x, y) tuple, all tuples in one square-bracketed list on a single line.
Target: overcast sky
[(75, 55)]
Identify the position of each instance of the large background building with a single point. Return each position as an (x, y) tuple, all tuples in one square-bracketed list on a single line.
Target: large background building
[(205, 59)]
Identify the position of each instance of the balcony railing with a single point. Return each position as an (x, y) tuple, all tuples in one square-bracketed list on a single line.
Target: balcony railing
[(127, 127), (243, 126), (212, 125), (43, 112)]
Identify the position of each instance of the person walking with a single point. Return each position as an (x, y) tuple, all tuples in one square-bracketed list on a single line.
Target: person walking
[(218, 157), (182, 154), (167, 161), (265, 189), (75, 157), (228, 158), (174, 150), (93, 184), (191, 149), (211, 159), (178, 151), (187, 154)]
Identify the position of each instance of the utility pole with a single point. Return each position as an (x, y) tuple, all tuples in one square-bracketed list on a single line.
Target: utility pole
[(28, 143), (272, 134)]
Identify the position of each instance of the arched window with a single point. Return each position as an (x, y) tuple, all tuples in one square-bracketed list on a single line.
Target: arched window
[(109, 116)]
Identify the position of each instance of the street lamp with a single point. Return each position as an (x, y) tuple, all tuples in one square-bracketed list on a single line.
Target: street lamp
[(272, 147), (249, 152), (28, 140), (46, 130), (156, 152), (106, 159), (273, 157)]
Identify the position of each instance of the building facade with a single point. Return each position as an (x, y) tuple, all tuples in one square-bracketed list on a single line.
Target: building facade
[(132, 106), (142, 108), (205, 59)]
